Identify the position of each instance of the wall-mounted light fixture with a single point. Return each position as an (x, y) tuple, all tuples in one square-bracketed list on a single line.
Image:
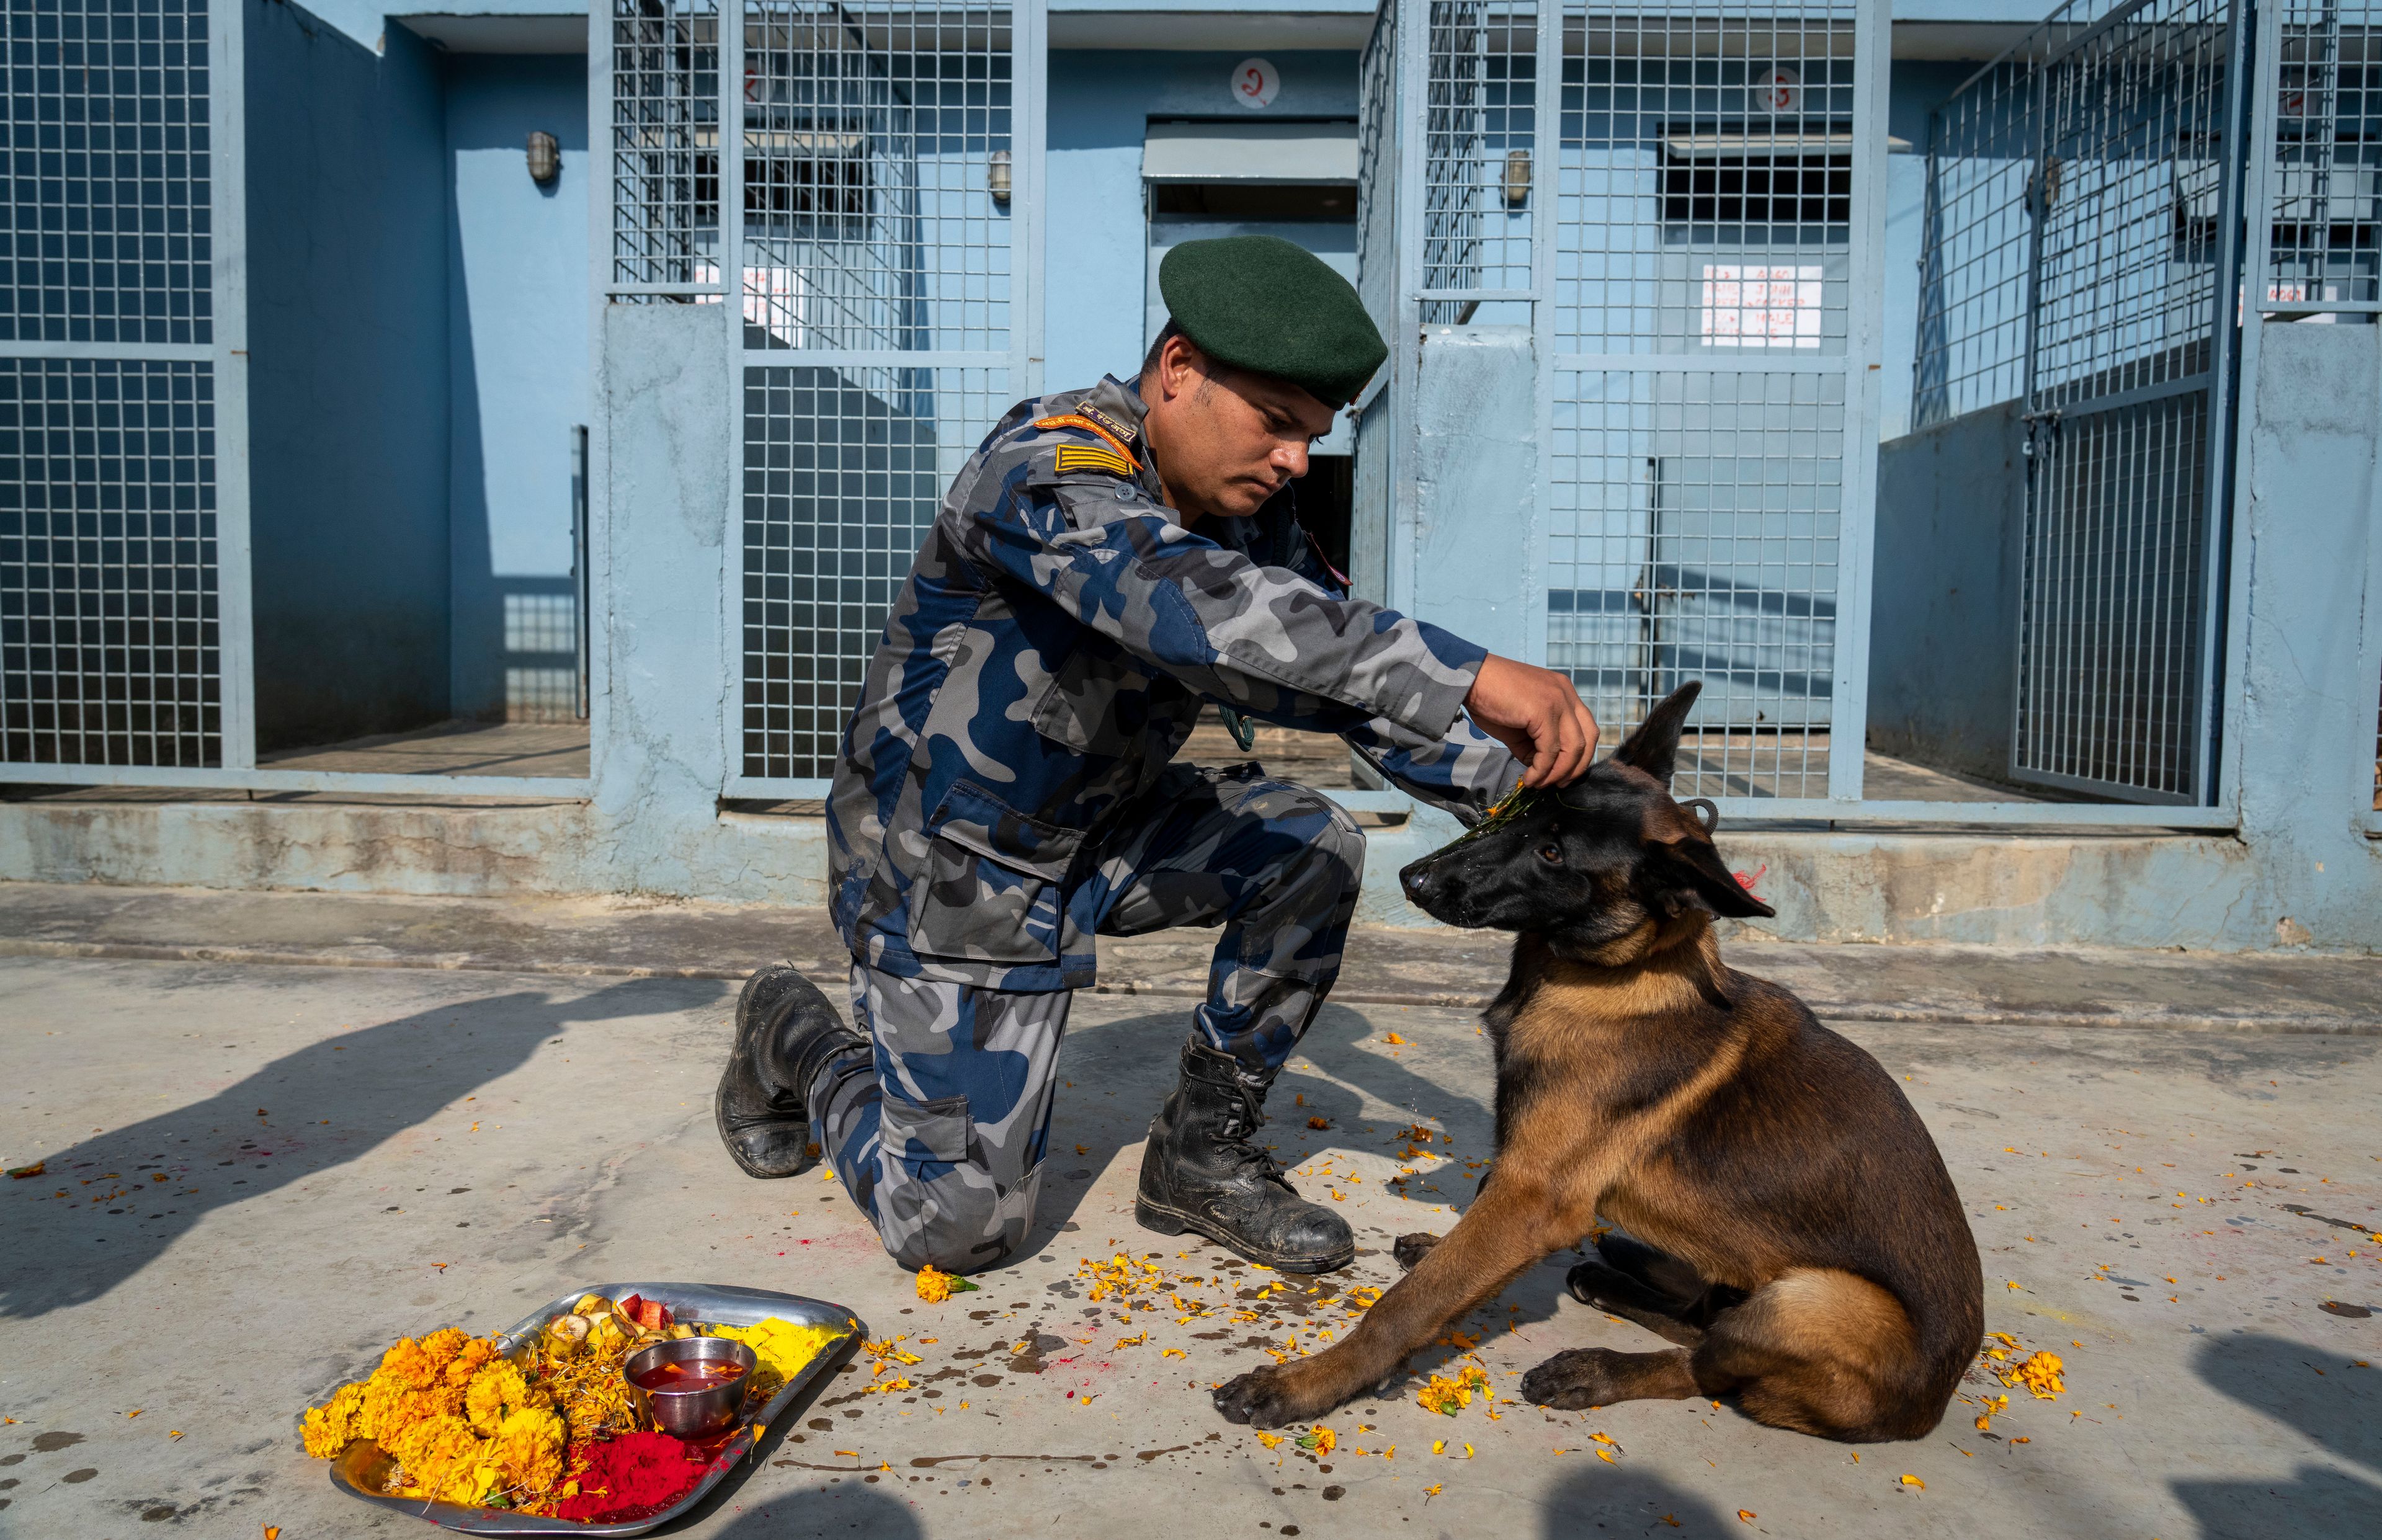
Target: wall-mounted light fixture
[(544, 157), (996, 176), (1518, 178)]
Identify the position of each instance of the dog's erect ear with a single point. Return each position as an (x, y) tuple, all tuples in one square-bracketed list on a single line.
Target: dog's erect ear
[(1689, 874), (1654, 747)]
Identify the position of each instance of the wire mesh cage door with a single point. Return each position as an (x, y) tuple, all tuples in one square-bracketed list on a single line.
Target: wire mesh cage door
[(2134, 200), (122, 630), (1713, 336), (889, 168)]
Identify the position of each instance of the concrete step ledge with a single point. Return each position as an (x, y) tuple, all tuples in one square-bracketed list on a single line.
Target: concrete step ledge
[(1940, 985), (2134, 889)]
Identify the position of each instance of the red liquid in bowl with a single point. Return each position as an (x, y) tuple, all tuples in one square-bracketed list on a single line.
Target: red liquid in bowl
[(707, 1374)]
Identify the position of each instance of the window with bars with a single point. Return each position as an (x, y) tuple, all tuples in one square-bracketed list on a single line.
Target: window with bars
[(1715, 183)]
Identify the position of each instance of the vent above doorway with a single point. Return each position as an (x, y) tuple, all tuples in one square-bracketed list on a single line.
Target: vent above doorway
[(1251, 153)]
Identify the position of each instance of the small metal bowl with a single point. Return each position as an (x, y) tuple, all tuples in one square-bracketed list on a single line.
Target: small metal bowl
[(692, 1414)]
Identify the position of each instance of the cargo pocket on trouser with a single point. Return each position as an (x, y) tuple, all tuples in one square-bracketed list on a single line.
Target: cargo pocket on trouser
[(941, 1197), (995, 883)]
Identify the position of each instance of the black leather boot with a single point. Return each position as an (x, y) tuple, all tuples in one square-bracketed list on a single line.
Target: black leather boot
[(1202, 1171), (785, 1031)]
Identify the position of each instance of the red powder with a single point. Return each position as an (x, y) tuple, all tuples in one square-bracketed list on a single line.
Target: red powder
[(631, 1476)]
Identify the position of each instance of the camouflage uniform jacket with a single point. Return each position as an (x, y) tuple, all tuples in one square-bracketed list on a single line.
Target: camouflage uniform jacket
[(1046, 658)]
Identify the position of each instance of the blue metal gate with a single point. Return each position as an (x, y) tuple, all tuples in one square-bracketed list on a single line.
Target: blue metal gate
[(121, 544), (2083, 255), (1681, 202), (882, 254)]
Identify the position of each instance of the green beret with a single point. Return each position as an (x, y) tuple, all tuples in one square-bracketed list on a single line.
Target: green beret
[(1261, 303)]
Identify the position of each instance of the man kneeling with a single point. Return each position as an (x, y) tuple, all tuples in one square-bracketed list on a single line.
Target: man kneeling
[(1109, 561)]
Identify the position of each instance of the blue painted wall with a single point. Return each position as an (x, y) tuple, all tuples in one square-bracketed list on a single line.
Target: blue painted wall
[(1943, 676), (517, 325), (1101, 104), (349, 427)]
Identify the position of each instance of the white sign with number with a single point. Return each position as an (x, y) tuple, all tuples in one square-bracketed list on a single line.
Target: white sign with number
[(1778, 90), (1254, 81)]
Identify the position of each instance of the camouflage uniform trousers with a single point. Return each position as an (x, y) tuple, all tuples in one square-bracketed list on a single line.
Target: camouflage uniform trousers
[(939, 1133)]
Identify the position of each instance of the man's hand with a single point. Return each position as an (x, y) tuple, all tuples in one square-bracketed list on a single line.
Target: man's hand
[(1536, 713)]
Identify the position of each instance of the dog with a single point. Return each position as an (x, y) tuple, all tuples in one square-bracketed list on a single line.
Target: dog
[(1782, 1216)]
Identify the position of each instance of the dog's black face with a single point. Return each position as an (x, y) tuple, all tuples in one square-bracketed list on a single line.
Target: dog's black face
[(1601, 861)]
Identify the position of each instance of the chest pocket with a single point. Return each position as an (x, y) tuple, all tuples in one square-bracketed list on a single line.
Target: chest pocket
[(995, 882), (1096, 704)]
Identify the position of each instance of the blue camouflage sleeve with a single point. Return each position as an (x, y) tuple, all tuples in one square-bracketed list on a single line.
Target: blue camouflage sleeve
[(1464, 771), (1262, 639)]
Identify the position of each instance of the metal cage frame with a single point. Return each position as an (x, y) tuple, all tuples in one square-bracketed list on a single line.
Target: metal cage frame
[(224, 355), (859, 352), (2077, 327)]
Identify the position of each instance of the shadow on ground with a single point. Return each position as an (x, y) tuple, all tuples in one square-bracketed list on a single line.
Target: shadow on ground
[(353, 1093), (2328, 1403), (1120, 1071), (846, 1510), (1606, 1501)]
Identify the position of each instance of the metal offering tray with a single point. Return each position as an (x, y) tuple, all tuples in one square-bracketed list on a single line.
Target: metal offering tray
[(362, 1470)]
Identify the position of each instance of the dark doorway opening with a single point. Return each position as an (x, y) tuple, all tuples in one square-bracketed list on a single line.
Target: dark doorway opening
[(1326, 499), (1258, 201)]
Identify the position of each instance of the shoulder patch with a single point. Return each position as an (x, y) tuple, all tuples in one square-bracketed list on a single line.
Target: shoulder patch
[(1077, 420), (1078, 456), (1123, 433)]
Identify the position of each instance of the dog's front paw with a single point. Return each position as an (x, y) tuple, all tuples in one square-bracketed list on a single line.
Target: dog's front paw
[(1575, 1379), (1411, 1249), (1262, 1397)]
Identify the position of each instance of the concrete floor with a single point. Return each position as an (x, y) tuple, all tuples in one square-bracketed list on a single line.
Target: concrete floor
[(353, 1154)]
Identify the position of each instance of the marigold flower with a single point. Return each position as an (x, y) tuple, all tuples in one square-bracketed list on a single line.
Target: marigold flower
[(1445, 1396), (391, 1403), (331, 1428), (495, 1393), (440, 1457), (2040, 1373), (441, 1346), (406, 1363), (935, 1286), (468, 1360), (526, 1455)]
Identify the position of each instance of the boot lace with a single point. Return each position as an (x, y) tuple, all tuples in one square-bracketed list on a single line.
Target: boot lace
[(1242, 1138)]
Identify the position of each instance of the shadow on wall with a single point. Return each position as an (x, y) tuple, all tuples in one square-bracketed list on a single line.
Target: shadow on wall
[(2313, 1391), (372, 1083), (517, 343), (348, 387)]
